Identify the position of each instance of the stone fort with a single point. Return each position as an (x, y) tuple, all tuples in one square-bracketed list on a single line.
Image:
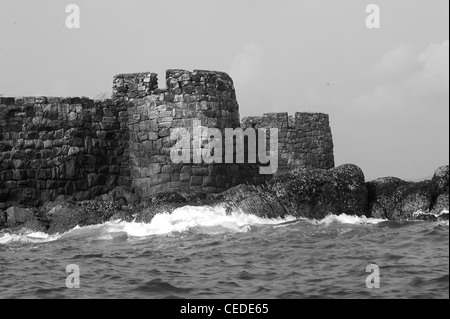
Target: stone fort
[(77, 146)]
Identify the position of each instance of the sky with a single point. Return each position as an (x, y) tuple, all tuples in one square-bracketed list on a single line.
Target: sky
[(386, 90)]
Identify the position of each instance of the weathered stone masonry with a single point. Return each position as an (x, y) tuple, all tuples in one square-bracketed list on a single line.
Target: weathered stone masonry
[(54, 146), (304, 139), (81, 147)]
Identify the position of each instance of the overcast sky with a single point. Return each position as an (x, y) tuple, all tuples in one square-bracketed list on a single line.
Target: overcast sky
[(386, 90)]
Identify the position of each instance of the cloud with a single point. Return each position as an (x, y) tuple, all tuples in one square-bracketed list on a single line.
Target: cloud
[(422, 81), (397, 61), (402, 122), (436, 59), (433, 79), (248, 64)]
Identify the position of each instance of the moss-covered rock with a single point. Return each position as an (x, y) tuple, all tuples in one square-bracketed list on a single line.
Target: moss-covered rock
[(396, 199), (65, 215), (307, 193), (441, 182), (257, 200)]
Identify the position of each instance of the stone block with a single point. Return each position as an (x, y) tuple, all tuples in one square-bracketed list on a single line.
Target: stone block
[(164, 132), (153, 136), (160, 179), (73, 151), (209, 181), (135, 172), (185, 177), (175, 185), (196, 181), (154, 168)]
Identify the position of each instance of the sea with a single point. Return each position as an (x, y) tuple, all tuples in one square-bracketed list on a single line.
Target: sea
[(208, 253)]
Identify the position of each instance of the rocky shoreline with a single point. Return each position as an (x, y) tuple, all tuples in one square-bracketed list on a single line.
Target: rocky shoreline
[(300, 193)]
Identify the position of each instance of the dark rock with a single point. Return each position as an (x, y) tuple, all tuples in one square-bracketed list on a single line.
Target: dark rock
[(126, 216), (16, 216), (122, 194), (167, 202), (34, 225), (253, 200), (2, 219), (416, 197), (161, 203), (64, 216), (352, 191), (441, 204), (307, 193), (441, 179), (441, 182), (97, 190), (395, 199), (7, 100)]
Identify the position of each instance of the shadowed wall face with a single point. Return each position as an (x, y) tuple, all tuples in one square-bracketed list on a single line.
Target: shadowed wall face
[(81, 147)]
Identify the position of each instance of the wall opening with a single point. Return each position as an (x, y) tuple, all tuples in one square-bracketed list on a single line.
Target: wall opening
[(161, 73)]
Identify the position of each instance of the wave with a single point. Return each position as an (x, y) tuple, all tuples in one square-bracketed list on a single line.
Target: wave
[(204, 220), (347, 219), (28, 237)]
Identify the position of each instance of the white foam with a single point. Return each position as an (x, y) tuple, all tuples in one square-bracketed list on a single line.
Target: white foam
[(444, 211), (347, 219), (420, 212), (31, 237), (204, 219)]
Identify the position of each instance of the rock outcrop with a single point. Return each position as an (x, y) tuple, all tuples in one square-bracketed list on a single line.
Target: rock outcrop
[(393, 198), (441, 182), (17, 215), (396, 199), (65, 215), (300, 193), (304, 193)]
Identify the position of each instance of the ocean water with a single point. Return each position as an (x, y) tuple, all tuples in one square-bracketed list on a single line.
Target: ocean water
[(203, 252)]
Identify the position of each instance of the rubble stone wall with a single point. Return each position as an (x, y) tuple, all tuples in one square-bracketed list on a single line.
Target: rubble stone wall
[(82, 147)]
